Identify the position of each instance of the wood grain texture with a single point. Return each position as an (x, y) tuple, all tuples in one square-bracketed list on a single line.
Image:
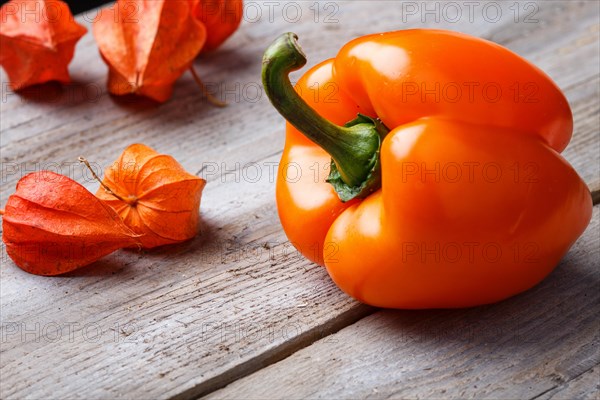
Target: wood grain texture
[(188, 319), (585, 386), (544, 343)]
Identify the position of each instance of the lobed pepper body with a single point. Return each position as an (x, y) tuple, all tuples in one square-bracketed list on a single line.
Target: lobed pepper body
[(475, 202)]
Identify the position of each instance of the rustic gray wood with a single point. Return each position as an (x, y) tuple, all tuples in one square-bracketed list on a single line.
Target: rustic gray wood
[(189, 319), (585, 386), (541, 343)]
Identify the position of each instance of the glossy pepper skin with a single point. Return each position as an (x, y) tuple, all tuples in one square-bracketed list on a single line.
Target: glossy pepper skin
[(475, 203)]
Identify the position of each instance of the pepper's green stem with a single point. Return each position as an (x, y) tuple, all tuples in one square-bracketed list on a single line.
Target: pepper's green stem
[(354, 148)]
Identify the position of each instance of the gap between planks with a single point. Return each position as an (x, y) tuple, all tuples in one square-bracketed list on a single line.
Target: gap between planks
[(584, 386), (279, 353)]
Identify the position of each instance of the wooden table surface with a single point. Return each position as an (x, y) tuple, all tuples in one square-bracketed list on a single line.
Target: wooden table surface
[(235, 312)]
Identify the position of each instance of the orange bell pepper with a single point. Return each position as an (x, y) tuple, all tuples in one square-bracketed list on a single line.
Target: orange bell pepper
[(448, 190)]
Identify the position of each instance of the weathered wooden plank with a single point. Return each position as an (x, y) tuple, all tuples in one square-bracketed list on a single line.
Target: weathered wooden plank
[(585, 386), (189, 319), (543, 342)]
